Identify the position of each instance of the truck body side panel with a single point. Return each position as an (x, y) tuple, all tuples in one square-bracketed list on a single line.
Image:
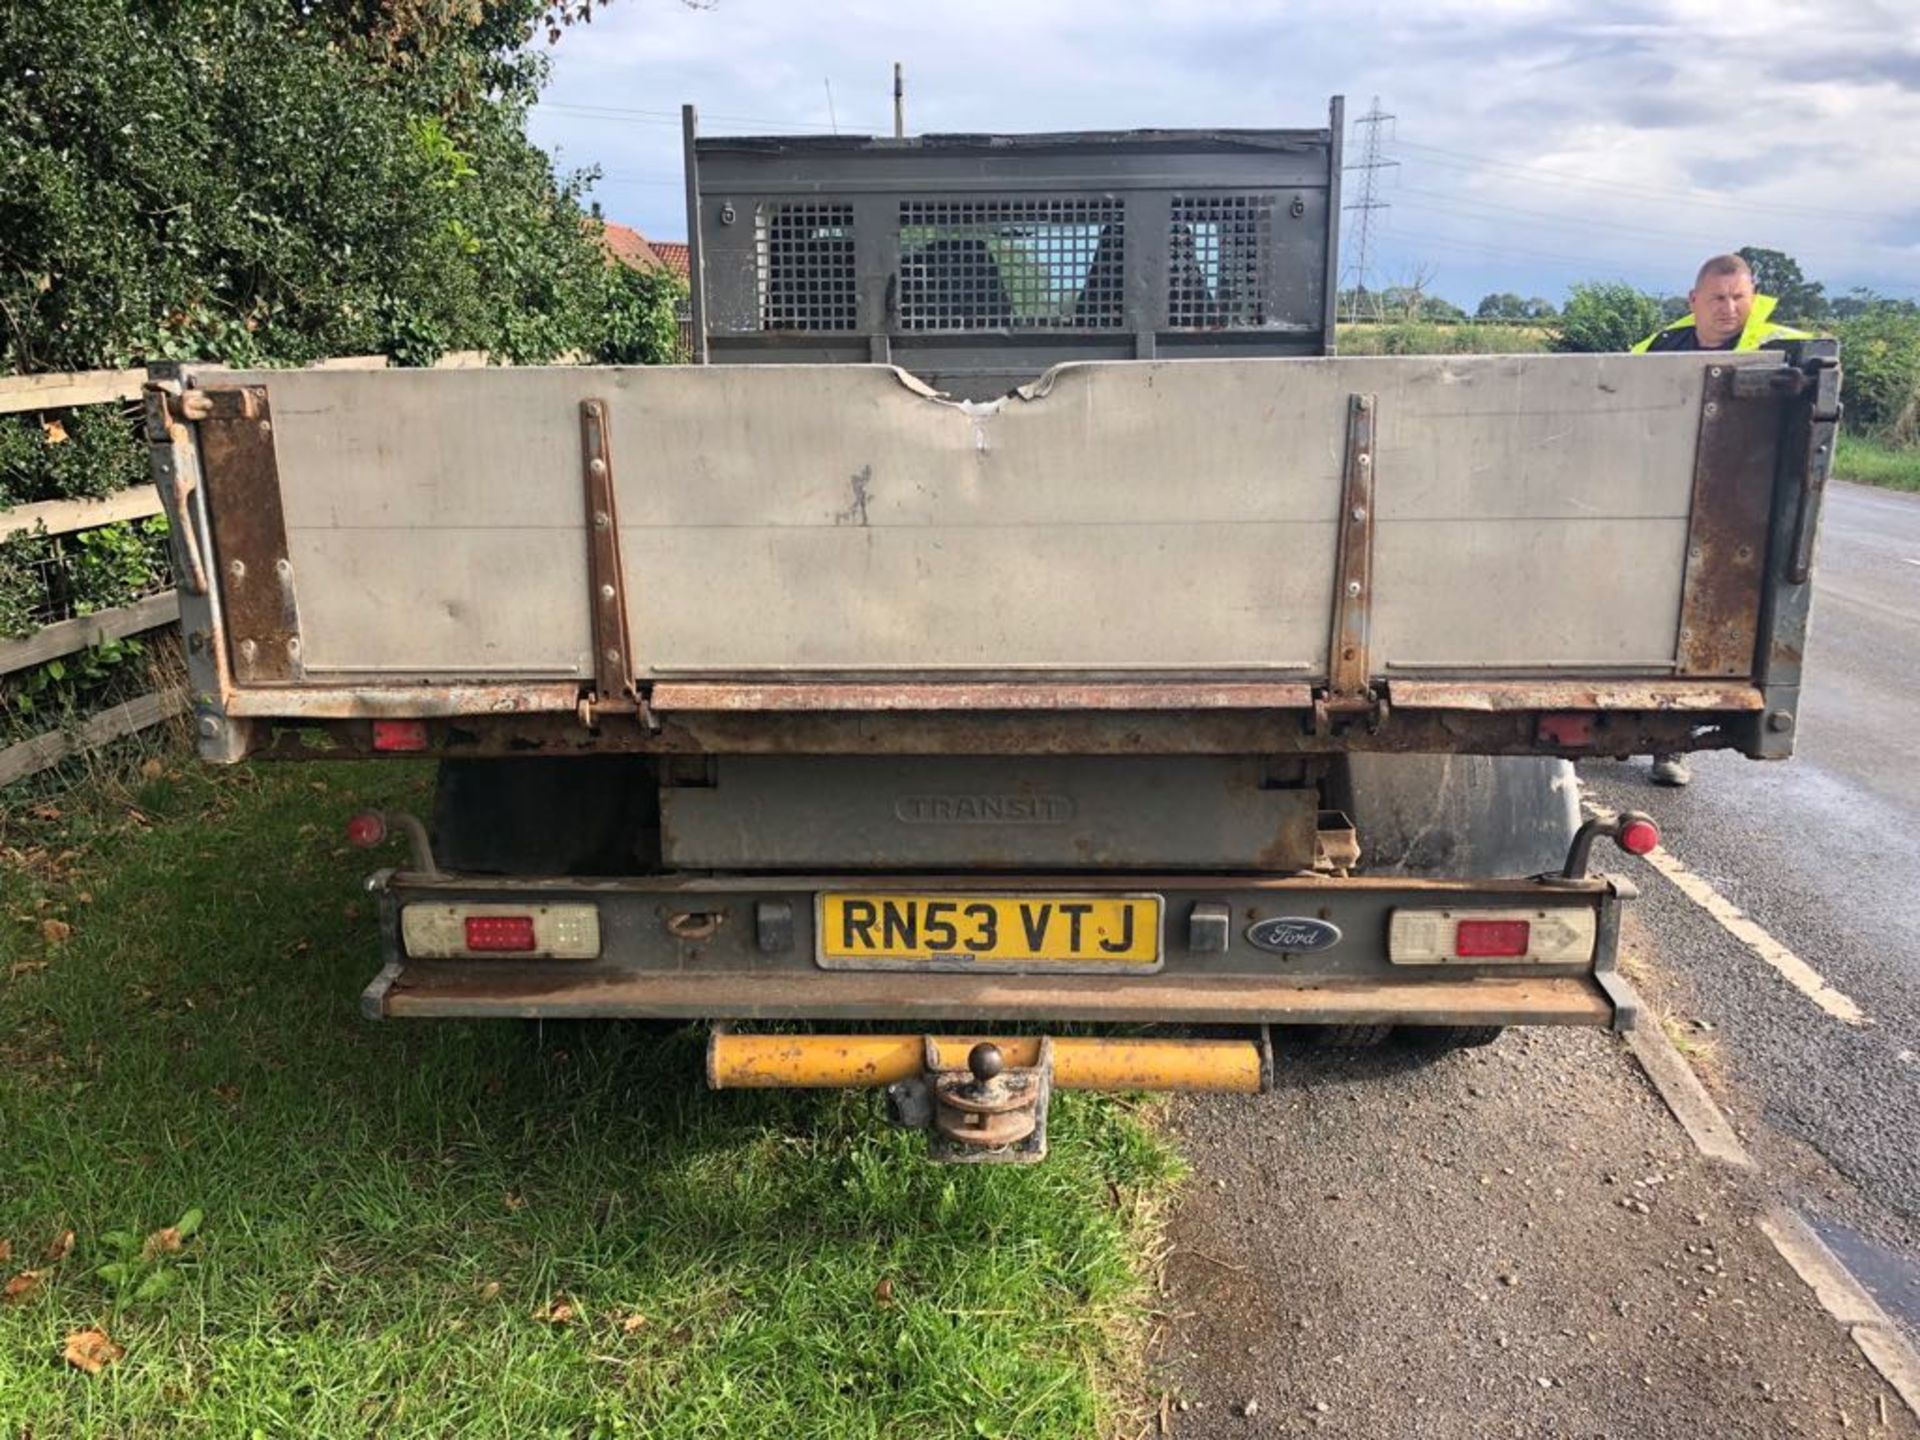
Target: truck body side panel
[(1175, 518)]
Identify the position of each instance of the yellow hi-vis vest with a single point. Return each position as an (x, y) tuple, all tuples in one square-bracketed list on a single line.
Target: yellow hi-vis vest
[(1758, 330)]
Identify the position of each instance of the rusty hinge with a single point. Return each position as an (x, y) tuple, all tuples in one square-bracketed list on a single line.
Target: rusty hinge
[(615, 690), (1349, 662)]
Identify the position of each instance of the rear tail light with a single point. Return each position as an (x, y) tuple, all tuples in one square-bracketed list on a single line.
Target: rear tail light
[(367, 829), (1561, 935), (455, 932), (500, 932), (396, 736), (1491, 939), (1639, 836)]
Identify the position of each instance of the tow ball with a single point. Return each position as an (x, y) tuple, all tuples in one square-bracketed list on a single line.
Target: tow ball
[(986, 1113)]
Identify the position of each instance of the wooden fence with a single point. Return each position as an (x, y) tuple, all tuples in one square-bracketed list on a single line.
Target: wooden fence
[(26, 394)]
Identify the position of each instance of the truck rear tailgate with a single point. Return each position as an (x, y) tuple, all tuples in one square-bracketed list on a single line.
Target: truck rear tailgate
[(1554, 553)]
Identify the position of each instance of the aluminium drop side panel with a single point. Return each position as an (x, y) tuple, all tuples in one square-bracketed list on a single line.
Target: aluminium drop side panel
[(1133, 518)]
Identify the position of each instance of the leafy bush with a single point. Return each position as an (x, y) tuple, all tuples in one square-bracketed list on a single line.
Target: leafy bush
[(1605, 315), (641, 325), (258, 182), (1880, 353), (88, 453)]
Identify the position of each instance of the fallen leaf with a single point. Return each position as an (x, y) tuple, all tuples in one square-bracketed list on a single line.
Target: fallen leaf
[(154, 768), (56, 432), (45, 812), (633, 1322), (21, 1288), (490, 1290), (515, 1203), (560, 1312), (60, 1248), (162, 1242), (91, 1351), (55, 932), (883, 1293), (25, 967), (85, 897), (6, 1251)]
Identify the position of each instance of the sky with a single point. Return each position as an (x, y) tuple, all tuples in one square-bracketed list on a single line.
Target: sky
[(1538, 142)]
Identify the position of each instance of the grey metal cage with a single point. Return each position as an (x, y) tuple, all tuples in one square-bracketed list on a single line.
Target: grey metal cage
[(977, 261)]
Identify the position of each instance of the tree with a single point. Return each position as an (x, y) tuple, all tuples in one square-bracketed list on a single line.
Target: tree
[(1539, 308), (1502, 306), (259, 182), (1778, 274), (1605, 315)]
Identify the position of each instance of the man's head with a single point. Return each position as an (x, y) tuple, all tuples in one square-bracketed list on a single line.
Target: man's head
[(1722, 297)]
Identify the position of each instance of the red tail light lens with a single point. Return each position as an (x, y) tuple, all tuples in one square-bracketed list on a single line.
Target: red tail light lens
[(500, 932), (367, 829), (1639, 837), (1474, 939), (399, 735)]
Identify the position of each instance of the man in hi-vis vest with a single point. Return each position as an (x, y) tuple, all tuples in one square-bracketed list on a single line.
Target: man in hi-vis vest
[(1725, 314)]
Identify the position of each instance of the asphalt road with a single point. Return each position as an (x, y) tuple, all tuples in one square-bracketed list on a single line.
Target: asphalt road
[(1520, 1240), (1824, 852)]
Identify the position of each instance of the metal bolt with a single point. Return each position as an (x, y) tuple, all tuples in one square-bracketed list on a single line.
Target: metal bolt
[(1685, 634), (1366, 459), (597, 466), (248, 649), (1780, 721), (593, 409), (1713, 407), (1716, 372), (613, 657), (607, 592), (209, 727), (283, 568), (601, 520), (293, 645), (238, 569), (266, 427), (1366, 402), (1359, 512), (1743, 553), (1353, 588), (1693, 552)]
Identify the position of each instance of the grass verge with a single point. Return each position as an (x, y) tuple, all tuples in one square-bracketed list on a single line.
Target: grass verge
[(1872, 462), (438, 1228)]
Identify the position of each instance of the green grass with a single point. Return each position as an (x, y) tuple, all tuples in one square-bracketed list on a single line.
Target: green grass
[(390, 1209), (1873, 462)]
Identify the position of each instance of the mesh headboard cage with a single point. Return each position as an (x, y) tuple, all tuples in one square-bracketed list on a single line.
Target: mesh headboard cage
[(977, 261)]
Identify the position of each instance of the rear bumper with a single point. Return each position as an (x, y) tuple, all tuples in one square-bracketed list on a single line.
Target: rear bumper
[(692, 948)]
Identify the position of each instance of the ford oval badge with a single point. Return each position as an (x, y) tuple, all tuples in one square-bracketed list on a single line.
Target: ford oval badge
[(1293, 934)]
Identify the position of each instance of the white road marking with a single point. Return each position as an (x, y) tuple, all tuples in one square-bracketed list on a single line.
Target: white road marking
[(1737, 923)]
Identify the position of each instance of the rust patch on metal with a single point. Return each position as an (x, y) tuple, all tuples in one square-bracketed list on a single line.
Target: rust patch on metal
[(695, 924), (1733, 479), (1523, 695), (785, 697), (1349, 663), (606, 580), (241, 474)]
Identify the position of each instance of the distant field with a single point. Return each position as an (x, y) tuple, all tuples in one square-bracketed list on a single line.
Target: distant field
[(1869, 462), (1419, 337)]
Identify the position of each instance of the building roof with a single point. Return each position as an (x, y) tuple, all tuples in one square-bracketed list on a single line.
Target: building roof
[(631, 248), (673, 254)]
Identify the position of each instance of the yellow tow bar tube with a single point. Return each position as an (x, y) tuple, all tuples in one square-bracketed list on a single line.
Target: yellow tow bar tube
[(983, 1098)]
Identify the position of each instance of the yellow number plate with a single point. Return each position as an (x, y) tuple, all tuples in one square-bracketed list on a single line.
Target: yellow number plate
[(963, 932)]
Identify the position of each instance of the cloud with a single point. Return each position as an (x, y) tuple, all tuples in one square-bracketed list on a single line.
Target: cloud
[(1540, 141)]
